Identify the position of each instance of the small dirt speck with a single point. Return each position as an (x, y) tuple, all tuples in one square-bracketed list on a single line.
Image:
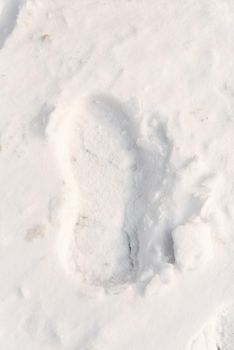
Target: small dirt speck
[(35, 232)]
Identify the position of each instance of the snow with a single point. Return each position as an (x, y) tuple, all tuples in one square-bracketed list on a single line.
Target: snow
[(192, 244), (116, 175)]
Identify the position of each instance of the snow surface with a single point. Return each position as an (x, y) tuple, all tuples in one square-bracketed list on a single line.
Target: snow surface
[(192, 244), (117, 168)]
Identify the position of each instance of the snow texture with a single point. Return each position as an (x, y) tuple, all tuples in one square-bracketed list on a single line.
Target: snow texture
[(116, 175), (192, 244)]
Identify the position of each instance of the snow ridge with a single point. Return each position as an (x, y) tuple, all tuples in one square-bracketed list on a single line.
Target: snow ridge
[(9, 10)]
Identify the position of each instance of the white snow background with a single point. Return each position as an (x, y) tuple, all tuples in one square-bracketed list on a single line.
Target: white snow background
[(116, 174)]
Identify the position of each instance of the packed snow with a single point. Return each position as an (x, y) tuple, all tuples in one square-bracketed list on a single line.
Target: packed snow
[(117, 168)]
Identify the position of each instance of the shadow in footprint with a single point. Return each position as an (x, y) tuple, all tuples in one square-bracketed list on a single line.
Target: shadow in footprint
[(154, 184)]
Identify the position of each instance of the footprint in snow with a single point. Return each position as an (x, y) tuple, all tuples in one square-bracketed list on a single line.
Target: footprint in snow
[(109, 173)]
